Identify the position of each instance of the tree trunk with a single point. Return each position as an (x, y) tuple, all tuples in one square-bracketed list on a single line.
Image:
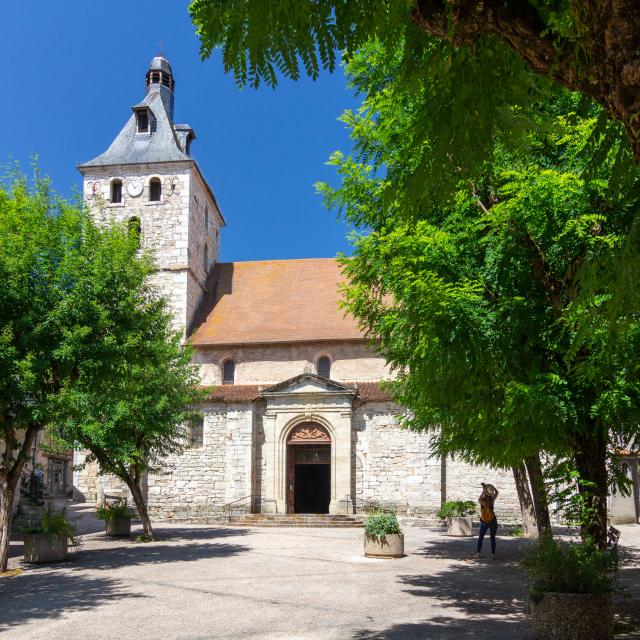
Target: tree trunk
[(7, 494), (539, 494), (9, 479), (591, 462), (141, 505), (529, 520)]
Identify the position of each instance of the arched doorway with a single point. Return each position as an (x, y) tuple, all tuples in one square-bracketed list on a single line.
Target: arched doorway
[(308, 469)]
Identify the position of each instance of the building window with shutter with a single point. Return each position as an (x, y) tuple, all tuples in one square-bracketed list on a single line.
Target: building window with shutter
[(324, 367), (228, 372), (196, 433)]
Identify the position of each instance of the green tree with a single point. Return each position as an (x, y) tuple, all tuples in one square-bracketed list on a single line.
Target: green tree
[(36, 232), (477, 299), (85, 344), (133, 386), (589, 47)]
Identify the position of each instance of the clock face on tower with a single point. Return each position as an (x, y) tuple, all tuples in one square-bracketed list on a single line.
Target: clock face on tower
[(134, 188)]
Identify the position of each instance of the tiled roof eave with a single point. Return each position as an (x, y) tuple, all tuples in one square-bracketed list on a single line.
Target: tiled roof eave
[(210, 343)]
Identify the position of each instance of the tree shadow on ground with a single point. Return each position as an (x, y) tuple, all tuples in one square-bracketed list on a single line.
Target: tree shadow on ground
[(128, 553), (475, 588), (199, 533), (487, 598), (627, 600), (509, 550), (45, 594), (444, 628)]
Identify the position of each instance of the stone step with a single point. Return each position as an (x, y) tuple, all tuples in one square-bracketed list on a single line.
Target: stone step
[(295, 520)]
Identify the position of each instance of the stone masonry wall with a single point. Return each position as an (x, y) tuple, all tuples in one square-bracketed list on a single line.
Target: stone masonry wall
[(350, 361), (200, 480), (394, 466), (172, 228)]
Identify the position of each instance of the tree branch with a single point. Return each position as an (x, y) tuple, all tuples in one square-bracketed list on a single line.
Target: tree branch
[(603, 61)]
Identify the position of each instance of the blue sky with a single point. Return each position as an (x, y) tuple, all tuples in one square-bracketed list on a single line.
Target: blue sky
[(72, 71)]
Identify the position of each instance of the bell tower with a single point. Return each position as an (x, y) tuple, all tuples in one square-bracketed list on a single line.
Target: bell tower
[(148, 180)]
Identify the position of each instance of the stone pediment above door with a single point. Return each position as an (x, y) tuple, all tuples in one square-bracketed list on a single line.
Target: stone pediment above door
[(307, 383)]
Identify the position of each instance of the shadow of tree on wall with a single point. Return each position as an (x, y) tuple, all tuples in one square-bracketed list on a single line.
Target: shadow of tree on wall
[(46, 594)]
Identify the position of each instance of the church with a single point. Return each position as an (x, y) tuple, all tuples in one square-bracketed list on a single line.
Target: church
[(295, 419)]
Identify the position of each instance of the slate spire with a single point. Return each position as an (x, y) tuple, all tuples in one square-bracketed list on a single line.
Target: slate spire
[(150, 135)]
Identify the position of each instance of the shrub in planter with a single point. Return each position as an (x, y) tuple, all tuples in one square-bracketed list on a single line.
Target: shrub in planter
[(382, 536), (458, 514), (571, 590), (117, 517), (47, 539)]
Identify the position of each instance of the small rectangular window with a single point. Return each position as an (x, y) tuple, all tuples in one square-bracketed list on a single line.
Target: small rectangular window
[(116, 192), (143, 121), (196, 434), (155, 190)]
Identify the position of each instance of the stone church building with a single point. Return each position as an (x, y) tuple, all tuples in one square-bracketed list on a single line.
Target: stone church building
[(295, 420)]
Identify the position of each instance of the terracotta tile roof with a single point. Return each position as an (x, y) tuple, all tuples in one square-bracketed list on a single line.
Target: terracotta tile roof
[(232, 393), (367, 392), (371, 392), (273, 301)]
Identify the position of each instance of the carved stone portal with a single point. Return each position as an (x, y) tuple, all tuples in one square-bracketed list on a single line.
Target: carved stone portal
[(308, 432)]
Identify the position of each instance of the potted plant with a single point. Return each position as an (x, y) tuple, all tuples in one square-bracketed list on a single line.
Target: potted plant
[(458, 514), (571, 590), (47, 539), (117, 517), (382, 536)]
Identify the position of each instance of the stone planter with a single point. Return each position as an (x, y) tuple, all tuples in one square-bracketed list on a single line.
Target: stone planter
[(460, 526), (119, 527), (573, 616), (44, 547), (390, 546)]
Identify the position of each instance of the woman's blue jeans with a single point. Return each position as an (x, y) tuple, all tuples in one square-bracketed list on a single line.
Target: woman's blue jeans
[(492, 527)]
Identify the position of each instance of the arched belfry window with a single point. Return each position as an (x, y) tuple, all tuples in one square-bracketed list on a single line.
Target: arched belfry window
[(116, 191), (134, 228), (155, 190), (324, 367), (228, 372)]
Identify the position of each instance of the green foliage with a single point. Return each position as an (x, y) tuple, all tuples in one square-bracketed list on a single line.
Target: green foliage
[(461, 292), (456, 508), (134, 384), (50, 523), (86, 344), (560, 567), (517, 531), (113, 510), (465, 88), (381, 524)]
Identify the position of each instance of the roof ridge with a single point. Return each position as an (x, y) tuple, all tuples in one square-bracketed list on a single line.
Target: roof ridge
[(276, 260)]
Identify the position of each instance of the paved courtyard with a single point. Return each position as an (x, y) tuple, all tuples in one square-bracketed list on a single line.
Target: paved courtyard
[(226, 582)]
